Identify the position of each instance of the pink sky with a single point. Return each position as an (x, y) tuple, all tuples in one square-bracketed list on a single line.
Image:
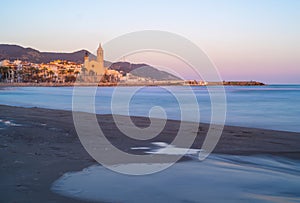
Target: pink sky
[(257, 40)]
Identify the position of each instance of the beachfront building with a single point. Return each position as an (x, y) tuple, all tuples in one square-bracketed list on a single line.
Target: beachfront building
[(58, 71), (10, 71), (134, 78), (61, 71), (111, 76)]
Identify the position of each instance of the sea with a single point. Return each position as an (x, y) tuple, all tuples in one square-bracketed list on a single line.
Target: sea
[(219, 178), (275, 107)]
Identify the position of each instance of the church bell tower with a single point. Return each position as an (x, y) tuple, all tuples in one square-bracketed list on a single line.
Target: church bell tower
[(100, 56)]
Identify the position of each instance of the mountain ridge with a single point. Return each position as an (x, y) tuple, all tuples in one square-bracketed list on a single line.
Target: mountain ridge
[(14, 52)]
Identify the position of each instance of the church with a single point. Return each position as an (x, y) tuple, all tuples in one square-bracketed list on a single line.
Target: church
[(95, 67)]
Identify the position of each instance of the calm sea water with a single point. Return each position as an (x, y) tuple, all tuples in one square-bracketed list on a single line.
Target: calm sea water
[(220, 178), (274, 107)]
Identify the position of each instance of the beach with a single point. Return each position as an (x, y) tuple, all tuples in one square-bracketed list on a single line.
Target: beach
[(196, 102), (39, 145)]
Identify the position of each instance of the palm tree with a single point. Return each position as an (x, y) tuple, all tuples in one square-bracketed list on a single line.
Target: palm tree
[(44, 76), (70, 71), (76, 73), (83, 71), (51, 73), (26, 74), (62, 72), (4, 73), (36, 73), (70, 77), (31, 73)]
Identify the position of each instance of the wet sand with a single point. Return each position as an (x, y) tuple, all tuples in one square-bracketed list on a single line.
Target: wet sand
[(37, 146)]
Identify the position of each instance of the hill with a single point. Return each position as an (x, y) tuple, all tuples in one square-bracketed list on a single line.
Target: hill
[(142, 70), (13, 52)]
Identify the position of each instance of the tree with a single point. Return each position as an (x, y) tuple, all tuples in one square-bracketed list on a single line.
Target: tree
[(70, 71), (51, 73), (62, 72), (76, 73), (83, 73), (5, 73), (36, 74), (83, 70), (45, 75)]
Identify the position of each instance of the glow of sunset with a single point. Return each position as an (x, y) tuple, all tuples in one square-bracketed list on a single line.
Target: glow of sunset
[(246, 40)]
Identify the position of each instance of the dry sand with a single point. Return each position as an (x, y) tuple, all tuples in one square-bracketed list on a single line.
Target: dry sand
[(46, 146)]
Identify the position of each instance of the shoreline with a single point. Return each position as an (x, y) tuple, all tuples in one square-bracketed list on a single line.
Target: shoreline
[(156, 83), (40, 145)]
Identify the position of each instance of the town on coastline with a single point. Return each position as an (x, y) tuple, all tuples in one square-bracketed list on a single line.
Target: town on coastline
[(90, 72)]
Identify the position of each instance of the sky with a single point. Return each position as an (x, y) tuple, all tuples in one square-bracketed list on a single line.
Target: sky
[(245, 39)]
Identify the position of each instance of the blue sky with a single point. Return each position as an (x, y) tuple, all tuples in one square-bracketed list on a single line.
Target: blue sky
[(254, 39)]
